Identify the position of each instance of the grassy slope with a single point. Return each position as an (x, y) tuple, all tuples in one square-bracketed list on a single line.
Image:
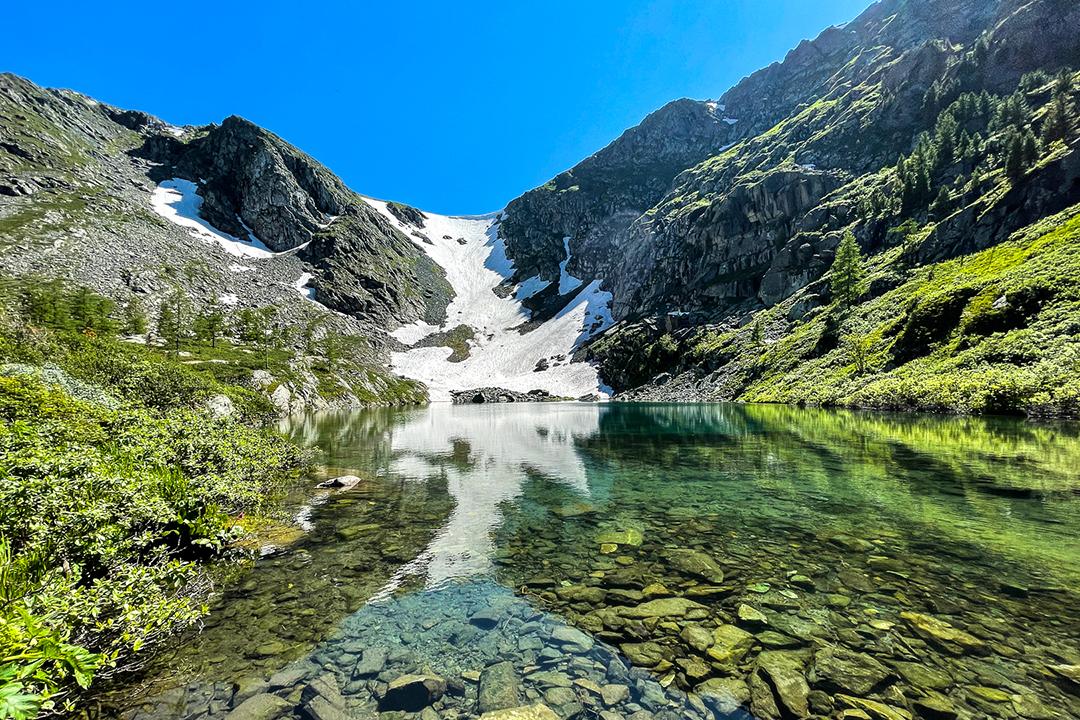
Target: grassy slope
[(996, 331), (115, 484)]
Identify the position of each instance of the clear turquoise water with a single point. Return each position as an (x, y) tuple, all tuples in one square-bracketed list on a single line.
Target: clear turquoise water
[(921, 566)]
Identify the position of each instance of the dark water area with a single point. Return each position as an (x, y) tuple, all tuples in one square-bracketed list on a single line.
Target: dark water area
[(638, 561)]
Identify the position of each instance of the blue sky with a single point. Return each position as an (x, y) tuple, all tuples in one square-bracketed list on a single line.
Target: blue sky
[(454, 107)]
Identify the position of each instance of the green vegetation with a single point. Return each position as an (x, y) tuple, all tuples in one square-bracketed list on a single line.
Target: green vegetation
[(116, 481), (847, 271), (993, 332)]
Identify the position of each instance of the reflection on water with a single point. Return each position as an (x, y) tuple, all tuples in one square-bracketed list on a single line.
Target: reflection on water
[(641, 561)]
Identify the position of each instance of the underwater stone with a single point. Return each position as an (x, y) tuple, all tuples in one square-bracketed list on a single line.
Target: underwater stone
[(573, 639), (372, 662), (539, 711), (840, 669), (697, 637), (631, 536), (500, 688), (724, 695), (260, 707), (696, 563), (750, 615), (730, 645), (784, 671), (664, 607), (412, 693), (943, 634)]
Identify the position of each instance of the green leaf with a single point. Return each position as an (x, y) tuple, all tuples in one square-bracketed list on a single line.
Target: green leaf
[(16, 704)]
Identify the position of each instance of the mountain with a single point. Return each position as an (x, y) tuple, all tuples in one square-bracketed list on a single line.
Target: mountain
[(690, 259), (714, 225)]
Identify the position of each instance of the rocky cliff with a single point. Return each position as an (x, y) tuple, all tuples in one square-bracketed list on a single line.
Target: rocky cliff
[(81, 188), (731, 220)]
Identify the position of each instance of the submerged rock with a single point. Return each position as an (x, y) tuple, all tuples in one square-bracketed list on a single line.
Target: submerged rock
[(840, 669), (665, 607), (539, 711), (342, 482), (413, 693), (784, 672), (724, 695), (943, 634), (730, 645), (500, 688), (260, 707), (696, 563)]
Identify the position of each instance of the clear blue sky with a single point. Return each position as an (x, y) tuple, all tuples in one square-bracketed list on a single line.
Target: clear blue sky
[(454, 107)]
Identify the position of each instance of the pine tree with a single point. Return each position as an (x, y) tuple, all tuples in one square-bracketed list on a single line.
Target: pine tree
[(1014, 155), (848, 272), (250, 326), (134, 318), (1056, 123), (167, 326), (940, 206), (173, 319), (210, 323)]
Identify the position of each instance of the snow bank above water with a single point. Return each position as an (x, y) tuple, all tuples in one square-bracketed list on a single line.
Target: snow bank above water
[(500, 354)]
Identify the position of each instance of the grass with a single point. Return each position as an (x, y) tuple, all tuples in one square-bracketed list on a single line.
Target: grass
[(116, 484)]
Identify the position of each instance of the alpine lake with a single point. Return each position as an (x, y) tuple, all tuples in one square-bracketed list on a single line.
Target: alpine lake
[(627, 562)]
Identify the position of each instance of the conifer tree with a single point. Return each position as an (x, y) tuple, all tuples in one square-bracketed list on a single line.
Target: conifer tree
[(134, 318), (848, 272)]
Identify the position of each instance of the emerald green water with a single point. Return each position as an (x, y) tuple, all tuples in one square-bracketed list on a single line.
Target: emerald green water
[(657, 561)]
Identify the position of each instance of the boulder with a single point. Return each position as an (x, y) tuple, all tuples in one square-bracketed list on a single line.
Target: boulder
[(539, 711), (341, 482), (263, 706), (500, 688), (412, 693)]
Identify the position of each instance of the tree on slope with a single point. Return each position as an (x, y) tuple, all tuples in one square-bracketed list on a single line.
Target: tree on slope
[(848, 272)]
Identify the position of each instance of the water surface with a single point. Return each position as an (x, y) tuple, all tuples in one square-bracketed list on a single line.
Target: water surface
[(642, 561)]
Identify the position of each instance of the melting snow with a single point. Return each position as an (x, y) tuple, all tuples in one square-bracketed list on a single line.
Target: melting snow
[(177, 200), (567, 282), (499, 354), (228, 299)]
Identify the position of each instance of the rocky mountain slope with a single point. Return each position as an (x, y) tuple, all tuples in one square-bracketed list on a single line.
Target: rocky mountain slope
[(689, 259), (714, 225), (132, 207)]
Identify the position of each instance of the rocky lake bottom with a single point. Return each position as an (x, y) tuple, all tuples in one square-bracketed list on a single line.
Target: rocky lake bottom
[(628, 562)]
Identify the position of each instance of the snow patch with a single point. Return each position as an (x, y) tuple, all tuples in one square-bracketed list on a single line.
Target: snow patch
[(730, 121), (567, 282), (500, 354), (228, 299), (178, 201)]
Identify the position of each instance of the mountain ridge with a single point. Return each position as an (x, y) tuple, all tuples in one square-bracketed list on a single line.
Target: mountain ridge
[(706, 220)]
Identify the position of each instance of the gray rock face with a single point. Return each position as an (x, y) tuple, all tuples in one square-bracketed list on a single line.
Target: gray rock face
[(599, 198)]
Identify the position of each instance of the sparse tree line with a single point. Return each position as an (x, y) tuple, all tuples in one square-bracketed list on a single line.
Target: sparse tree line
[(180, 322), (973, 135)]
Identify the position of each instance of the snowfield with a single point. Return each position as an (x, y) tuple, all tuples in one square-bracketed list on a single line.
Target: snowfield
[(500, 354), (178, 201)]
